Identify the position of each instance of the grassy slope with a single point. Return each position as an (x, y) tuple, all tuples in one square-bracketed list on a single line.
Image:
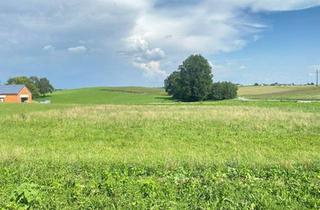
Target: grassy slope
[(228, 154), (141, 95), (105, 95)]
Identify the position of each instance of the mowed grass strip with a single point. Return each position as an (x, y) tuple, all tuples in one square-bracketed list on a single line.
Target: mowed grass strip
[(163, 134)]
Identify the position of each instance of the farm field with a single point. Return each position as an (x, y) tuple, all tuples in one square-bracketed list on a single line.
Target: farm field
[(107, 95), (281, 92), (141, 95), (133, 148)]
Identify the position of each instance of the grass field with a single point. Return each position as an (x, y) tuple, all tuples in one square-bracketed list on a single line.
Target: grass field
[(105, 95), (133, 148), (141, 95)]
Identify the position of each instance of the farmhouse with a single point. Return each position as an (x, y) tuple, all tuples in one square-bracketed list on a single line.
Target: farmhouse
[(15, 94)]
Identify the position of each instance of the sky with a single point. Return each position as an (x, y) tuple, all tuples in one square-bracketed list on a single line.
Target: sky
[(83, 43)]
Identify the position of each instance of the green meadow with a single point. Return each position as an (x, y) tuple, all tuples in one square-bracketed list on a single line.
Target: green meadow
[(134, 148)]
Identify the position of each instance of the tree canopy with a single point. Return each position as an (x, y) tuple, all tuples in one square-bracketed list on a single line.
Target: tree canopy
[(37, 86), (193, 82), (27, 82)]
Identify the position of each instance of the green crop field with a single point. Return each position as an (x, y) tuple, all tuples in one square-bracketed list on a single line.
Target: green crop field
[(134, 148)]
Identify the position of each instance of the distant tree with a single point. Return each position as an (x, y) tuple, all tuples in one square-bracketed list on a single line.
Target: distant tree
[(192, 81), (44, 86), (27, 82), (256, 84), (223, 90)]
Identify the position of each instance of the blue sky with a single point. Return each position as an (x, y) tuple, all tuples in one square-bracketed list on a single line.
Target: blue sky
[(79, 43)]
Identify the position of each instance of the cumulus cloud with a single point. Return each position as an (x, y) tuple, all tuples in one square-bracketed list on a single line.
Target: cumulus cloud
[(149, 32), (151, 69), (145, 57), (78, 49)]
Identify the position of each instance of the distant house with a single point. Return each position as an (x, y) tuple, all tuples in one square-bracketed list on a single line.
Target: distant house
[(15, 94)]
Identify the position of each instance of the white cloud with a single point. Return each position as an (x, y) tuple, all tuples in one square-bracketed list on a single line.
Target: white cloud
[(78, 49), (49, 48), (209, 26), (149, 31), (144, 57), (151, 69)]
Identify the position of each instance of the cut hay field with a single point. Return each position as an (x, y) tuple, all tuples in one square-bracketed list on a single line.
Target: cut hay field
[(281, 92), (159, 155)]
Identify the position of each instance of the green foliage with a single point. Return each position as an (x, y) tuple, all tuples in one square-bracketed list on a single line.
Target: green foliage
[(43, 84), (192, 81), (37, 86), (120, 186), (172, 85), (26, 196), (27, 82), (223, 90)]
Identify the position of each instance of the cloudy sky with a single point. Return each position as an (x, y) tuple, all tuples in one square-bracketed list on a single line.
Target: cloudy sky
[(79, 43)]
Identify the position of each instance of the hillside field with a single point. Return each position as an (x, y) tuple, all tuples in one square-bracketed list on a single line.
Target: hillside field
[(134, 148), (281, 92), (141, 95)]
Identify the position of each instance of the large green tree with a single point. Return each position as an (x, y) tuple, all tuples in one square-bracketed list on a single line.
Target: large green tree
[(192, 81), (43, 84), (27, 82)]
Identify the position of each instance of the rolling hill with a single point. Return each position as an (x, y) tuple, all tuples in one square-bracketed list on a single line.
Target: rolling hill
[(109, 95), (145, 95)]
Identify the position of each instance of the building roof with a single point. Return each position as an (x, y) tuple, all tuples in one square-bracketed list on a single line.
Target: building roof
[(10, 89)]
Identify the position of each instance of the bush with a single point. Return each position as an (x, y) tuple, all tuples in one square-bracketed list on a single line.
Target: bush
[(223, 90)]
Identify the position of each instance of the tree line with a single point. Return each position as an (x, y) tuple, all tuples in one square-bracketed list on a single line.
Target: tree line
[(37, 86), (193, 82)]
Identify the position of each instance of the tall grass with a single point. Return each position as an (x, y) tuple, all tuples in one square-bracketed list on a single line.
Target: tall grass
[(161, 156), (163, 133)]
